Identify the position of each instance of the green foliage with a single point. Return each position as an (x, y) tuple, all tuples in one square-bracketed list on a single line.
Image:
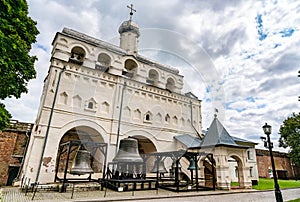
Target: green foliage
[(4, 117), (290, 136), (17, 32), (234, 184), (268, 184)]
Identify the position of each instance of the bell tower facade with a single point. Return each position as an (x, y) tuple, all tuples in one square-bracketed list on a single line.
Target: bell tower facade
[(96, 91)]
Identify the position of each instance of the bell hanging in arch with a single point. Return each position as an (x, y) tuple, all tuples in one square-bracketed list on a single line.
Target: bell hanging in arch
[(193, 165), (128, 152), (161, 167), (82, 163)]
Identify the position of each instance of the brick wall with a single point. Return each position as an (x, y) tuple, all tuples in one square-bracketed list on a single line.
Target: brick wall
[(12, 145), (7, 142), (282, 164)]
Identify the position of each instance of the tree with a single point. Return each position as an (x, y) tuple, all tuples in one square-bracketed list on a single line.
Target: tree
[(17, 32), (290, 137)]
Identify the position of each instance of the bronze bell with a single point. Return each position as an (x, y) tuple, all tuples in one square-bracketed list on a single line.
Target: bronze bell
[(193, 165), (81, 163), (174, 167), (128, 152), (161, 167)]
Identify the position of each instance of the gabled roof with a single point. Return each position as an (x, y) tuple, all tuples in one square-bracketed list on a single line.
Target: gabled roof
[(217, 135), (237, 139), (189, 141)]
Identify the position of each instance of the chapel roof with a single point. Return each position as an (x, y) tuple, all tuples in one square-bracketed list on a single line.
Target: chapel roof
[(216, 135)]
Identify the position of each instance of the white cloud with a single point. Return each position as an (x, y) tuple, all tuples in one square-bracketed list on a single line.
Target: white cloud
[(245, 67)]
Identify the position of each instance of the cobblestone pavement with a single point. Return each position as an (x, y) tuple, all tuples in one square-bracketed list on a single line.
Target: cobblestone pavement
[(13, 194)]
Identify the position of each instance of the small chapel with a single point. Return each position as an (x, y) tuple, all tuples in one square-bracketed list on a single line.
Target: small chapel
[(98, 99)]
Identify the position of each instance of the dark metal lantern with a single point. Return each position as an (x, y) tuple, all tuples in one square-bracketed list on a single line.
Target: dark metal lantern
[(267, 129)]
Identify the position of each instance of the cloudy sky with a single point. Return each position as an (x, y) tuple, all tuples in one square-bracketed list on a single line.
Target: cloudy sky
[(241, 57)]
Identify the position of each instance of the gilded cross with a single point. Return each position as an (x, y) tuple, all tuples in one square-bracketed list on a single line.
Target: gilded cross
[(131, 11)]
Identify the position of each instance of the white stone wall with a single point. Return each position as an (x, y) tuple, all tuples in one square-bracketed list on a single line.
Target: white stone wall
[(88, 97)]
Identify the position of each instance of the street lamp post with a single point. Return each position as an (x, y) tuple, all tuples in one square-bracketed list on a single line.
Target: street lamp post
[(267, 130)]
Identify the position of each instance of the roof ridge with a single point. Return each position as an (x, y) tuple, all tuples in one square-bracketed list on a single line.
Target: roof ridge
[(217, 134)]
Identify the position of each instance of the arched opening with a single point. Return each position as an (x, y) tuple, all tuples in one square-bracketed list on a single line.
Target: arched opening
[(103, 62), (208, 172), (170, 84), (236, 172), (152, 77), (84, 134), (77, 55), (130, 68), (104, 59), (146, 146)]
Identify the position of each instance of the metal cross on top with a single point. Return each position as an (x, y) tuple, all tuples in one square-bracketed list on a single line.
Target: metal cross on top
[(131, 10)]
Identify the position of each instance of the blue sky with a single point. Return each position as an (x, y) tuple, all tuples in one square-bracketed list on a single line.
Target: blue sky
[(241, 57)]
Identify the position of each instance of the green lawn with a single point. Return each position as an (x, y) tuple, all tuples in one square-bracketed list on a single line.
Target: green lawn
[(265, 184)]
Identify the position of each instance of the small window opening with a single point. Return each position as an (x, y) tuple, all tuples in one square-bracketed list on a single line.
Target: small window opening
[(147, 117), (90, 105)]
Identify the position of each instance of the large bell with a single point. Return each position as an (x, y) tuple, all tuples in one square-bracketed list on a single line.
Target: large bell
[(128, 152), (161, 167), (81, 163), (174, 167), (193, 165)]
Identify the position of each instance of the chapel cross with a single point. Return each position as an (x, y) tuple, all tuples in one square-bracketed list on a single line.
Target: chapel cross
[(131, 11)]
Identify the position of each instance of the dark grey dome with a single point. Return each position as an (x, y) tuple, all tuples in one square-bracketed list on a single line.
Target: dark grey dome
[(129, 26)]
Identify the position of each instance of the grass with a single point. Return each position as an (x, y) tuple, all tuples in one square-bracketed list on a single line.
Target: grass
[(234, 184), (266, 184), (296, 200)]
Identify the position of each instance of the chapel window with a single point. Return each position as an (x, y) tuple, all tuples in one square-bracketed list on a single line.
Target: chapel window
[(91, 105), (148, 117), (249, 155)]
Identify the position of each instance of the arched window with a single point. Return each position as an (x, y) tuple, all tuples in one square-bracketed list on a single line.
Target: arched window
[(91, 105), (167, 118), (147, 117), (77, 55)]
